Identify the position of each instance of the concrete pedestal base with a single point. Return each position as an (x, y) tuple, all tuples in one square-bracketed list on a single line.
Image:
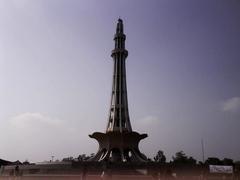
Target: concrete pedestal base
[(116, 146)]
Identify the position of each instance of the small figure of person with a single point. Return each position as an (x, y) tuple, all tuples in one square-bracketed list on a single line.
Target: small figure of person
[(16, 171), (84, 172), (106, 175)]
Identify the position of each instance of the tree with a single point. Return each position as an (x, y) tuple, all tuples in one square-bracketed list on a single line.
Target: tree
[(67, 159), (227, 161), (182, 158), (92, 155), (149, 159), (26, 162), (237, 162), (82, 157), (160, 157), (213, 161), (191, 160)]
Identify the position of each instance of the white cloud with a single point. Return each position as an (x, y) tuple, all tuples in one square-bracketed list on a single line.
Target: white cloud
[(232, 105), (149, 120), (32, 120), (36, 137)]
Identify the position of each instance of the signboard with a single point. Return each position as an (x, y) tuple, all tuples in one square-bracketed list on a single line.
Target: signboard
[(220, 169)]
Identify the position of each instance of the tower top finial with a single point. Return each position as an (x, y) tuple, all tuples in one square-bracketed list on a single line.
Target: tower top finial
[(119, 26)]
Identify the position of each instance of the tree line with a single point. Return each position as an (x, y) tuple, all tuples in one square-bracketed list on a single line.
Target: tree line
[(181, 158)]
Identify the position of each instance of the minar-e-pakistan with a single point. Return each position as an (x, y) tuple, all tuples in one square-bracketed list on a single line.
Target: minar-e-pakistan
[(119, 143)]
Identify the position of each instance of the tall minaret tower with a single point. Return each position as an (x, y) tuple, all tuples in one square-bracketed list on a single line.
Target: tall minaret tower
[(118, 116), (119, 143)]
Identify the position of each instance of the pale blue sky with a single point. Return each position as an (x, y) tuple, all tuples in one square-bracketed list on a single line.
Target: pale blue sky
[(183, 74)]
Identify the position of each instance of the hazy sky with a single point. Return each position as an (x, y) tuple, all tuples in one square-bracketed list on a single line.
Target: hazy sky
[(183, 75)]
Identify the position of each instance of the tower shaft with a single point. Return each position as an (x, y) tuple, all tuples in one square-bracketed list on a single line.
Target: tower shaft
[(118, 115)]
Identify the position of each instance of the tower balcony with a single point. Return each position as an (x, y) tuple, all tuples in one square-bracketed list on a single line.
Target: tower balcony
[(119, 51), (119, 35)]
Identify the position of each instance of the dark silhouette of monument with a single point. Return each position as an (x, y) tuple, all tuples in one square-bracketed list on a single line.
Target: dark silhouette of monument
[(119, 143)]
